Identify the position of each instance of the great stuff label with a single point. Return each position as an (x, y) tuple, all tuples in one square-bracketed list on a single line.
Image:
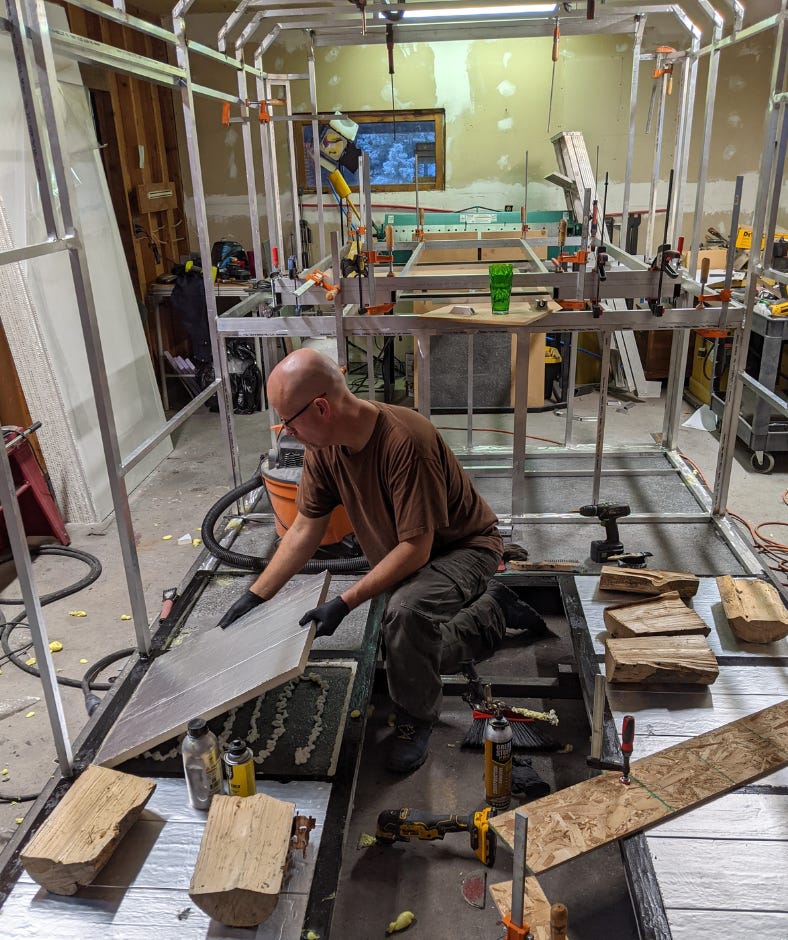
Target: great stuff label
[(498, 763)]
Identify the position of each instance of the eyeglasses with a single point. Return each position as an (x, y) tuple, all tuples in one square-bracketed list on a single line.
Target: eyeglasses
[(288, 422)]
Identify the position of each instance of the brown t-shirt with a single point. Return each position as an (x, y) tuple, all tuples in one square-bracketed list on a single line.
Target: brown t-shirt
[(406, 481)]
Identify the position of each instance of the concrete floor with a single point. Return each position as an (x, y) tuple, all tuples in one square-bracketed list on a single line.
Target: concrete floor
[(173, 502)]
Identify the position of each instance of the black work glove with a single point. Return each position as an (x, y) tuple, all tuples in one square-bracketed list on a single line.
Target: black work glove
[(327, 616), (246, 602)]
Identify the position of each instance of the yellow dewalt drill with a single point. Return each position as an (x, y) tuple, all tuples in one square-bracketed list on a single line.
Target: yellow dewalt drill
[(401, 825)]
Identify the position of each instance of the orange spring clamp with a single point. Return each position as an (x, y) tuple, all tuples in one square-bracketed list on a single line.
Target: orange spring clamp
[(265, 117), (572, 304), (321, 280), (513, 932), (723, 296), (379, 308), (226, 114)]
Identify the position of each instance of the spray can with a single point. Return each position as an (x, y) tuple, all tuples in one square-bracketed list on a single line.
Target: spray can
[(498, 762), (201, 763), (239, 766)]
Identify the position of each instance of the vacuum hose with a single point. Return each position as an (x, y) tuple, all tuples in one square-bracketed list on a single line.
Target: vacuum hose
[(254, 563)]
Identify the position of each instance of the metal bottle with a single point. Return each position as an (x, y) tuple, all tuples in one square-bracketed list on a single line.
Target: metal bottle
[(202, 764), (239, 766), (498, 762)]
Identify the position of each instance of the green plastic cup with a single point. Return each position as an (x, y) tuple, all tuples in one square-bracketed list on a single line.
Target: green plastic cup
[(500, 287)]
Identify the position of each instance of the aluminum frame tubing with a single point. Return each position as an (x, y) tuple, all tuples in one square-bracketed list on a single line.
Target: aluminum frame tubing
[(321, 217), (640, 25), (522, 339), (770, 179), (248, 148), (689, 79), (33, 21), (201, 218), (652, 199), (35, 617)]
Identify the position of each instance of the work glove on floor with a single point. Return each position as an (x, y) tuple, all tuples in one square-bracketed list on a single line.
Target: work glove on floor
[(327, 616), (246, 602)]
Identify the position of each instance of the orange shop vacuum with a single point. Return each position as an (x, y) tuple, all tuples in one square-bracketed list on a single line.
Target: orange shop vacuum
[(338, 552)]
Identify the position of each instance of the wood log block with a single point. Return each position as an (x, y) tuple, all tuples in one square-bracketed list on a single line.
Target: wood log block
[(664, 615), (238, 874), (661, 659), (754, 609), (645, 581), (80, 835)]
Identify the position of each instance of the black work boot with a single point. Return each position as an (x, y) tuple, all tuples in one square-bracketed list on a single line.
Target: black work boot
[(516, 613), (409, 743)]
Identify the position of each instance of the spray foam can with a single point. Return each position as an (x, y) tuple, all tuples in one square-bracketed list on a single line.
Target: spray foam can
[(239, 765), (202, 765), (498, 762)]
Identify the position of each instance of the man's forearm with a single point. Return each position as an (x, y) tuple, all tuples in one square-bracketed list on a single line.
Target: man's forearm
[(296, 548), (401, 562)]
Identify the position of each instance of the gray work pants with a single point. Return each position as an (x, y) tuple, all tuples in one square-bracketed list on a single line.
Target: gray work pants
[(434, 620)]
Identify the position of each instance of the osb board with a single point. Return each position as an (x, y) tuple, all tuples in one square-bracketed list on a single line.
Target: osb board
[(521, 313), (536, 907), (576, 820), (215, 671)]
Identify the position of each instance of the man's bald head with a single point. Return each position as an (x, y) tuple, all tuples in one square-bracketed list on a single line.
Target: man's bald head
[(301, 376)]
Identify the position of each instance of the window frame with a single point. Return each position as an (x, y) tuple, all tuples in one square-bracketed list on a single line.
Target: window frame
[(381, 117)]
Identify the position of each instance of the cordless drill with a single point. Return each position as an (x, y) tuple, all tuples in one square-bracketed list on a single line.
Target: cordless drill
[(400, 825), (608, 514)]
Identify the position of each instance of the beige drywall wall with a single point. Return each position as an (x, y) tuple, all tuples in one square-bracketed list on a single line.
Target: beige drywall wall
[(495, 94)]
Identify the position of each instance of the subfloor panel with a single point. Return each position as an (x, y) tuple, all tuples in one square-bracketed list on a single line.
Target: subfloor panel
[(215, 670)]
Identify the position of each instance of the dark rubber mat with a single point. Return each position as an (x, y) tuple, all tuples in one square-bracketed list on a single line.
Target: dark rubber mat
[(294, 730)]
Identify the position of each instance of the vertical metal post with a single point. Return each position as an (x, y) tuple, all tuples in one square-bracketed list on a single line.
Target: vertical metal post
[(268, 131), (652, 199), (640, 25), (251, 181), (35, 618), (269, 177), (371, 367), (705, 143), (604, 378), (321, 220), (741, 338), (201, 218), (469, 411), (34, 24), (366, 200), (519, 867), (422, 363), (522, 339), (291, 146), (570, 391), (689, 79), (339, 328)]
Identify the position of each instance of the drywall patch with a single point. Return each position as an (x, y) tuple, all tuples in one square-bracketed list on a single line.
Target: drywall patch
[(503, 162), (734, 120), (623, 47), (452, 86), (334, 80), (505, 124), (736, 83), (279, 63), (506, 88), (728, 152), (507, 58), (331, 54)]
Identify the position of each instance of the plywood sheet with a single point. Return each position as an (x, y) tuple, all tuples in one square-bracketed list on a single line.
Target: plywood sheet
[(217, 670), (578, 819)]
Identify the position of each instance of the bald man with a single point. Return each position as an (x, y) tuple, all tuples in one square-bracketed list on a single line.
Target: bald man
[(430, 539)]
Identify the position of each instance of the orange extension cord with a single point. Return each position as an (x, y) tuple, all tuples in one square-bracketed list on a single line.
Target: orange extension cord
[(775, 551)]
